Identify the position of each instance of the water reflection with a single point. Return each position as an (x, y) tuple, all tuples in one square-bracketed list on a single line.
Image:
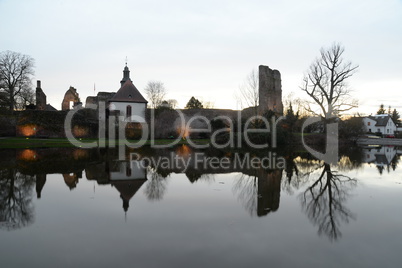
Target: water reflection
[(259, 193), (322, 190), (324, 201), (383, 157), (156, 186), (16, 208)]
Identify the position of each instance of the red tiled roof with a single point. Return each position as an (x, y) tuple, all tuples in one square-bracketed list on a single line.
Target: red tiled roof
[(128, 93)]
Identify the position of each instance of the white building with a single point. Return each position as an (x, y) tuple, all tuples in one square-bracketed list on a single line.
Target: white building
[(128, 170), (128, 101), (379, 123)]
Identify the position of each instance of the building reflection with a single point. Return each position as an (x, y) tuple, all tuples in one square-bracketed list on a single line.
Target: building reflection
[(71, 180), (40, 182), (127, 177), (323, 190), (383, 157), (259, 193), (269, 190)]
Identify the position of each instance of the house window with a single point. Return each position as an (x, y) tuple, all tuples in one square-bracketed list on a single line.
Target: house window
[(387, 130), (369, 129), (368, 123), (378, 130), (128, 111)]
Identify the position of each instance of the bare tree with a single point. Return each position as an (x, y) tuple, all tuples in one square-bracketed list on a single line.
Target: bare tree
[(325, 82), (172, 103), (16, 70), (156, 93), (208, 104), (25, 97), (248, 94)]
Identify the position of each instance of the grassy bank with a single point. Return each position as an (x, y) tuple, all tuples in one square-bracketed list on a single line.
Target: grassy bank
[(17, 142)]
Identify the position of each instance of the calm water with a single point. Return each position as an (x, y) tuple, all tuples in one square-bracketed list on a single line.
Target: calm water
[(72, 207)]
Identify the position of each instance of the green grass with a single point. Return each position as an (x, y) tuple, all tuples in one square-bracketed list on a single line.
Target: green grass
[(21, 142)]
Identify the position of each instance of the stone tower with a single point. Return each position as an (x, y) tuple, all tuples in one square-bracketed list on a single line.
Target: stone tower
[(126, 75), (270, 90), (40, 97)]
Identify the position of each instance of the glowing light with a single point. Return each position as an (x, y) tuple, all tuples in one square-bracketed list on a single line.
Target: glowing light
[(27, 130), (79, 131), (27, 155), (184, 131), (80, 154), (183, 150)]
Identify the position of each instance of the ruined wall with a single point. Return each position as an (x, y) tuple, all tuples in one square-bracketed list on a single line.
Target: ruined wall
[(71, 95), (99, 98), (40, 97), (270, 90)]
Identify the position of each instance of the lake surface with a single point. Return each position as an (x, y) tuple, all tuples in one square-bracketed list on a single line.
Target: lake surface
[(87, 208)]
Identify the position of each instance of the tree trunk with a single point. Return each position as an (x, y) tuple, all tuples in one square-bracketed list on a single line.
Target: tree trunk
[(11, 100)]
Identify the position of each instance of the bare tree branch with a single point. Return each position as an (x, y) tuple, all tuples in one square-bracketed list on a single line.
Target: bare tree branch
[(156, 93), (15, 74), (248, 94), (326, 84)]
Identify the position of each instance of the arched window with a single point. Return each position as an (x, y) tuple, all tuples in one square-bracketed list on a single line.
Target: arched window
[(128, 111)]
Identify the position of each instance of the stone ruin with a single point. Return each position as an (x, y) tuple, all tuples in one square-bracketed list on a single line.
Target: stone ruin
[(70, 96), (270, 90), (100, 97), (40, 97)]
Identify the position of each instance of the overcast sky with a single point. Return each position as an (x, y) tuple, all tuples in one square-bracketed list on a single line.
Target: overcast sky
[(204, 48)]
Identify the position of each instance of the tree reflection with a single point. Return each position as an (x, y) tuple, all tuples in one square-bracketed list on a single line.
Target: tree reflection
[(324, 202), (156, 186), (247, 191), (16, 208)]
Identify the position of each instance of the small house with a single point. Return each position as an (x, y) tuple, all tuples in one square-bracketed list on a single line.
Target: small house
[(379, 124)]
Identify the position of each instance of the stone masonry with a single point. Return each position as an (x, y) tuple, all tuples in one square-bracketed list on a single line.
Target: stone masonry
[(70, 96), (270, 90), (40, 97)]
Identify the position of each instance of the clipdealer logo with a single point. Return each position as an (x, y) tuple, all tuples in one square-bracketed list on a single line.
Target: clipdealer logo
[(199, 160), (117, 136)]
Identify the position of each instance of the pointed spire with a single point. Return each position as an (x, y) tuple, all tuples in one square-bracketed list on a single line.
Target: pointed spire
[(126, 74)]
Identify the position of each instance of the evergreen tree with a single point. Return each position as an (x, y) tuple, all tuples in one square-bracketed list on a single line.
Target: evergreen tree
[(291, 117), (193, 103), (381, 110), (395, 116)]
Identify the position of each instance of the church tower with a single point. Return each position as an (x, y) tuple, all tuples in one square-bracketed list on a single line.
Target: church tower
[(126, 75)]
